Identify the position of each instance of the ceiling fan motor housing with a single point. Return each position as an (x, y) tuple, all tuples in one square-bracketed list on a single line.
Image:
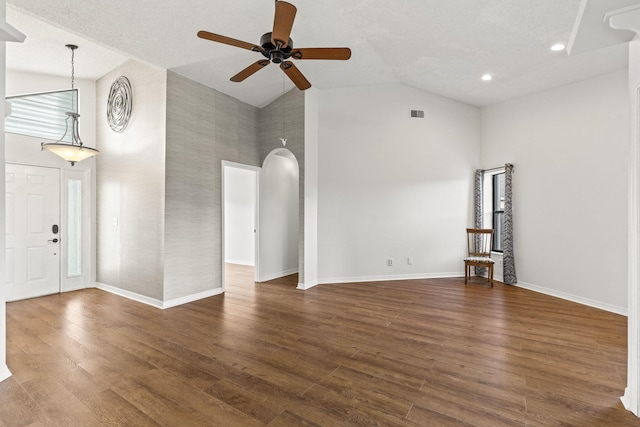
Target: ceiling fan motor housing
[(274, 53)]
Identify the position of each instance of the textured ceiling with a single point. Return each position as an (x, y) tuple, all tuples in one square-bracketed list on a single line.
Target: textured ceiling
[(443, 46)]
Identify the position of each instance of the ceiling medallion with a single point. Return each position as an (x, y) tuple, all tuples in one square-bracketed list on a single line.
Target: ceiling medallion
[(119, 104)]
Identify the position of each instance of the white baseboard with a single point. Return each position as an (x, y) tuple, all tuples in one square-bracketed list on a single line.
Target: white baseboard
[(540, 289), (191, 298), (357, 279), (307, 285), (574, 298), (4, 373), (240, 262), (628, 402), (74, 288), (129, 295), (278, 275), (156, 302)]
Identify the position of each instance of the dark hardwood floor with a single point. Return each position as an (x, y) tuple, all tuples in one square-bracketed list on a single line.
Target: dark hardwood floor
[(424, 352)]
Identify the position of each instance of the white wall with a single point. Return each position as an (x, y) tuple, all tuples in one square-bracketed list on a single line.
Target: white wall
[(239, 215), (569, 147), (278, 216), (310, 214), (391, 186)]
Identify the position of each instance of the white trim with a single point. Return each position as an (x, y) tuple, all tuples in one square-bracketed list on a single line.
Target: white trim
[(307, 285), (9, 33), (129, 295), (358, 279), (192, 298), (4, 373), (156, 302), (279, 275), (256, 219), (573, 298), (627, 399), (239, 262), (631, 398)]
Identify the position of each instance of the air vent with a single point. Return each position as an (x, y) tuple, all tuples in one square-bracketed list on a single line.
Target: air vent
[(417, 114)]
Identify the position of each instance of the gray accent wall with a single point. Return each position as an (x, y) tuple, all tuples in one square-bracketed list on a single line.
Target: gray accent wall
[(130, 185), (271, 130), (204, 127)]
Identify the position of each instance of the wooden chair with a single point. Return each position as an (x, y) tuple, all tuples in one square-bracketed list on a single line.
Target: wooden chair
[(479, 242)]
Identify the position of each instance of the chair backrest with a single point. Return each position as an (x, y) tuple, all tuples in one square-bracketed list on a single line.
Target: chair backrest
[(479, 241)]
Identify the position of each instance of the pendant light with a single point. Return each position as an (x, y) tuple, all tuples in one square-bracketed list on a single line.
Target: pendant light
[(75, 151)]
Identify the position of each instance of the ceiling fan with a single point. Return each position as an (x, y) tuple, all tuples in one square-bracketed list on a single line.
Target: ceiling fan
[(277, 47)]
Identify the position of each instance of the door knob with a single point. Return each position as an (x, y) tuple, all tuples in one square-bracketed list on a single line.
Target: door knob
[(54, 240)]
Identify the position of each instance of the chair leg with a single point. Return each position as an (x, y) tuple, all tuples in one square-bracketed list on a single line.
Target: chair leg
[(491, 275), (466, 271)]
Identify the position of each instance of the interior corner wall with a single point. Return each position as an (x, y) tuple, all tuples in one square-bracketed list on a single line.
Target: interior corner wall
[(130, 185), (285, 117), (570, 149), (393, 187), (204, 127)]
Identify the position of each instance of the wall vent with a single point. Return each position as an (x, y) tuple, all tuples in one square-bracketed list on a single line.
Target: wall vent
[(417, 114)]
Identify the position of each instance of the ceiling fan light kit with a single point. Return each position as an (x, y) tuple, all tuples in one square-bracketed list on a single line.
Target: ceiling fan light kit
[(277, 47)]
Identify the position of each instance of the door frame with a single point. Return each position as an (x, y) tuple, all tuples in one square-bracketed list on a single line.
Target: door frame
[(256, 219)]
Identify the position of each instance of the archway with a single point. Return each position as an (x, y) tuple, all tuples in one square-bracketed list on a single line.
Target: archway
[(278, 222)]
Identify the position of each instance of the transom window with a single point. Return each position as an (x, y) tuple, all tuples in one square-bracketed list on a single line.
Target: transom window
[(40, 115)]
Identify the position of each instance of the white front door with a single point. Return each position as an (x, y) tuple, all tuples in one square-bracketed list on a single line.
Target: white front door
[(33, 233)]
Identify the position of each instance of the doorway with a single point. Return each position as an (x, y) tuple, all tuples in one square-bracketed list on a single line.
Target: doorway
[(279, 216), (240, 255)]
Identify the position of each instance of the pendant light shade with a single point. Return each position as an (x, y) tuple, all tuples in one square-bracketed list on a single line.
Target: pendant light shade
[(74, 151)]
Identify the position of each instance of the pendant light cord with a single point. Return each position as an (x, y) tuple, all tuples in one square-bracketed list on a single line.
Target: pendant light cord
[(73, 77)]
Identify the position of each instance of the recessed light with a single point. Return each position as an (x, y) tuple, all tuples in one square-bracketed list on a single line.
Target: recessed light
[(487, 77), (558, 47)]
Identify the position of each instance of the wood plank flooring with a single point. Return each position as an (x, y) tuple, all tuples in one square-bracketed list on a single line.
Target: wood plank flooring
[(424, 352)]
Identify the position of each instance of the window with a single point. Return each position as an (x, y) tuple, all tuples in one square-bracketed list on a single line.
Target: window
[(74, 228), (41, 115), (497, 212)]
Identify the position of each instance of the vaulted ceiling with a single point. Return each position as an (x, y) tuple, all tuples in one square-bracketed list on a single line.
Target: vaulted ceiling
[(442, 46)]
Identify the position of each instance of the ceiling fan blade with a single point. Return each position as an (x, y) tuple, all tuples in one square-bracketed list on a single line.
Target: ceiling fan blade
[(250, 70), (340, 53), (295, 75), (228, 40), (283, 23)]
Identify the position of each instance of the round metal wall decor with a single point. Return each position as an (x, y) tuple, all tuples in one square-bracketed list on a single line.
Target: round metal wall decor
[(119, 104)]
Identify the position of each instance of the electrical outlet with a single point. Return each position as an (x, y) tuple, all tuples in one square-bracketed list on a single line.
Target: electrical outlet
[(390, 262), (410, 260)]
